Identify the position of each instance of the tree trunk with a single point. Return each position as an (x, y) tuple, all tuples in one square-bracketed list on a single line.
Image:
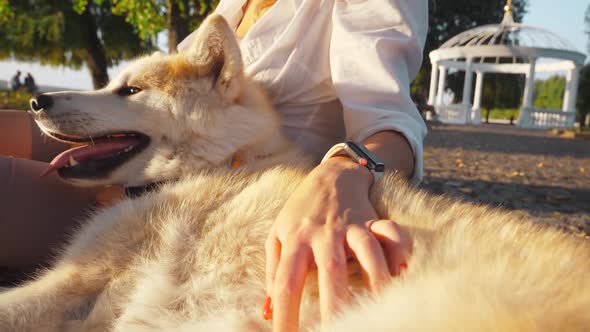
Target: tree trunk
[(96, 58), (177, 24)]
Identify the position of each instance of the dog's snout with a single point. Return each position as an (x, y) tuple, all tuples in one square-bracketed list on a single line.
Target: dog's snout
[(41, 102)]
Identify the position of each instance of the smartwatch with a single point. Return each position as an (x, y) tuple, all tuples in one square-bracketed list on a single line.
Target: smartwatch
[(359, 154)]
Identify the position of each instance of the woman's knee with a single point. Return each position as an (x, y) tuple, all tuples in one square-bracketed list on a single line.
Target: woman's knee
[(37, 214)]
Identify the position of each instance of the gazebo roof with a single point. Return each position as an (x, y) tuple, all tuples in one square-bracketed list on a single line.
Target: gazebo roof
[(508, 39), (510, 33)]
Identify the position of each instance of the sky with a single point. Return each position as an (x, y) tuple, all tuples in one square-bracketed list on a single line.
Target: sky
[(564, 17)]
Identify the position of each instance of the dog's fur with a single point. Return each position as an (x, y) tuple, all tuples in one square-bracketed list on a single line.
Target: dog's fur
[(190, 256)]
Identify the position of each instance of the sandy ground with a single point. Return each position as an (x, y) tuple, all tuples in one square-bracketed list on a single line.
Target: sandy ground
[(531, 171)]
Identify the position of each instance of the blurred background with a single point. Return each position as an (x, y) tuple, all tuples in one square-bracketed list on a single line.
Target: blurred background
[(80, 44)]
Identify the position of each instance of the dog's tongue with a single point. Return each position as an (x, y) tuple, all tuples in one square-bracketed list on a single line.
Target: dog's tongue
[(102, 148)]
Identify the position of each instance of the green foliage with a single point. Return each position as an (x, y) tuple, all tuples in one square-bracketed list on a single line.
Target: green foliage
[(504, 113), (501, 91), (549, 93), (14, 100), (52, 33), (5, 11), (149, 16)]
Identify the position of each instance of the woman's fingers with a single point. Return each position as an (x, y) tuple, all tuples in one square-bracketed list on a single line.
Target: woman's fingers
[(288, 286), (396, 246), (273, 255), (380, 247), (370, 256), (330, 258)]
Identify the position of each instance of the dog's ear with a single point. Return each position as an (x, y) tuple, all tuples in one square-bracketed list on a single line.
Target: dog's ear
[(215, 50)]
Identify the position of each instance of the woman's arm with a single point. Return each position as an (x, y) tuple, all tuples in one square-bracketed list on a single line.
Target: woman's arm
[(394, 150), (328, 218), (375, 51)]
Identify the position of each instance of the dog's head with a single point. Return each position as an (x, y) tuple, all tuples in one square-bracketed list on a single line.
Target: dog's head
[(162, 117)]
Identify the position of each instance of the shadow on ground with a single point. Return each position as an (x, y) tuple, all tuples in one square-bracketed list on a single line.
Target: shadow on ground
[(505, 139), (540, 202)]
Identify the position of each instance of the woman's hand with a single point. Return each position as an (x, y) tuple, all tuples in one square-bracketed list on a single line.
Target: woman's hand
[(326, 219)]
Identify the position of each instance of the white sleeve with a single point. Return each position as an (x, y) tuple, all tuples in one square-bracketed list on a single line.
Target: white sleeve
[(375, 52)]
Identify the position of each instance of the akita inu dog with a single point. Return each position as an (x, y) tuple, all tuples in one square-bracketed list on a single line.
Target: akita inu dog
[(189, 256)]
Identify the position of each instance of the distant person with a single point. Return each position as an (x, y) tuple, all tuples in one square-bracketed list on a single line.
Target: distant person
[(30, 85), (15, 83), (448, 97)]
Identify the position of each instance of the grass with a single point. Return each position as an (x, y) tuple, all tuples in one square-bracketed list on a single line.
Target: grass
[(501, 113), (14, 100)]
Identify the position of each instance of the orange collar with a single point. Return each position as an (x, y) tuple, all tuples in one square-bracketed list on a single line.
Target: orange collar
[(235, 162)]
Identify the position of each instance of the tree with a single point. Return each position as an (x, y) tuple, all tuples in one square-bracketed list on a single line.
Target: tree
[(178, 17), (583, 100), (549, 93), (51, 32)]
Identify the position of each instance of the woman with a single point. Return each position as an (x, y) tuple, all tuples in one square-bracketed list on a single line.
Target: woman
[(336, 70)]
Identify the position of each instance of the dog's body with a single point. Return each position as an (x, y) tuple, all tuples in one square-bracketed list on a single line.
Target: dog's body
[(190, 256)]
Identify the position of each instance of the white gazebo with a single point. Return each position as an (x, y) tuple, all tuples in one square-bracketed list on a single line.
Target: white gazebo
[(509, 48)]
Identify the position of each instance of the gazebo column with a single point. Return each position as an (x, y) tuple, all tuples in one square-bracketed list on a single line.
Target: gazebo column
[(476, 110), (529, 88), (571, 90), (467, 89), (478, 90), (525, 117), (433, 83), (442, 81)]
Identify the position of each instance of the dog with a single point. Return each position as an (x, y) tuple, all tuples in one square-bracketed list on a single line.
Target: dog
[(189, 255)]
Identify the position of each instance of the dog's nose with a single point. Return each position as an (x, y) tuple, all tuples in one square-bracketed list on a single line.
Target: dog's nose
[(40, 103)]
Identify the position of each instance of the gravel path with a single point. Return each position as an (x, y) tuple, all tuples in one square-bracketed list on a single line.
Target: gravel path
[(531, 171)]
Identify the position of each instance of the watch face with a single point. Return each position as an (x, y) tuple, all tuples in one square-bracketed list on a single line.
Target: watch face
[(358, 151)]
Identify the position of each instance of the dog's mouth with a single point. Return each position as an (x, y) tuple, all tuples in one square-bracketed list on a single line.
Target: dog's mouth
[(97, 156)]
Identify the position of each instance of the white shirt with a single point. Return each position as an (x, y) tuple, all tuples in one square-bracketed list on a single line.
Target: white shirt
[(338, 69)]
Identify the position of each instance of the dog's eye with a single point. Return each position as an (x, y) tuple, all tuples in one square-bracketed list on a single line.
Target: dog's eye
[(128, 91)]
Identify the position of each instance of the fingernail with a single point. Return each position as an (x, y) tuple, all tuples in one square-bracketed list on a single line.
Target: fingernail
[(403, 267), (267, 309)]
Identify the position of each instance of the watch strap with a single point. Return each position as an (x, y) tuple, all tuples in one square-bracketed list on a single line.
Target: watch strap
[(359, 154)]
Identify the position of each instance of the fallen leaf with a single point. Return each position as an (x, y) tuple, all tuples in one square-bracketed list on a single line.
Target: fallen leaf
[(516, 173), (582, 170), (556, 214), (540, 165), (460, 163), (466, 190), (485, 178)]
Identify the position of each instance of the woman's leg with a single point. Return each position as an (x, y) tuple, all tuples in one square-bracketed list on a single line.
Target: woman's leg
[(21, 138), (36, 214)]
